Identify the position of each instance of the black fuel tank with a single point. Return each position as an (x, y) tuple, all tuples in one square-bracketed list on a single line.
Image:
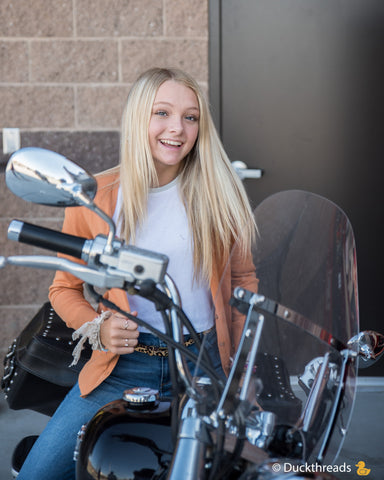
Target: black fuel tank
[(125, 443)]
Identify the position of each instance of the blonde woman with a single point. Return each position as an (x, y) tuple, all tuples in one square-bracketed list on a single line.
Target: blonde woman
[(174, 192)]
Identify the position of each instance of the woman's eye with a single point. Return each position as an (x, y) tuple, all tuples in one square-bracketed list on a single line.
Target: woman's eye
[(161, 113), (192, 118)]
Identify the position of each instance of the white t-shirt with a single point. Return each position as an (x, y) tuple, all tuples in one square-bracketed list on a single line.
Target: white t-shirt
[(166, 231)]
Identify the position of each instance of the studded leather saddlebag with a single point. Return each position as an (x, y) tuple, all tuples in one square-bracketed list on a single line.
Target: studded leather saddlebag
[(37, 375)]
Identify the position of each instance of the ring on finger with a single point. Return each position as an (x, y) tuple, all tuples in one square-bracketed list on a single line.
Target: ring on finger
[(126, 324), (127, 342)]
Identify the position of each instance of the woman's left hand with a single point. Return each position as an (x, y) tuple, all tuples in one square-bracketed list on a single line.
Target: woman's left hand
[(119, 334)]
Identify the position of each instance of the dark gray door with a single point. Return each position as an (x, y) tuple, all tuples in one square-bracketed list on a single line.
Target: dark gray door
[(297, 88)]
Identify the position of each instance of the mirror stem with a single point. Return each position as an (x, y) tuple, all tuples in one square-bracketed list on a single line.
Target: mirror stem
[(84, 200)]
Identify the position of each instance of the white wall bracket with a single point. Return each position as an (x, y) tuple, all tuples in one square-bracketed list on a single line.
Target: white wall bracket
[(11, 140)]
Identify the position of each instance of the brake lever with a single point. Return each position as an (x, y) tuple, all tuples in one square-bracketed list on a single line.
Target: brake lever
[(102, 278)]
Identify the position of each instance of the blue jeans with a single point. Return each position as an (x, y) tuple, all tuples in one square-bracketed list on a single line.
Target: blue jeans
[(51, 458)]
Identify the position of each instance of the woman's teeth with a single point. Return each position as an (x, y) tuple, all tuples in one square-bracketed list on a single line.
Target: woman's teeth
[(171, 142)]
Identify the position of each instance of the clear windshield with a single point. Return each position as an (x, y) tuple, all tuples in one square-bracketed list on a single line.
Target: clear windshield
[(305, 260)]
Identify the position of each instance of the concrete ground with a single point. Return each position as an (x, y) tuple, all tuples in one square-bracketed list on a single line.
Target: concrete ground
[(364, 441)]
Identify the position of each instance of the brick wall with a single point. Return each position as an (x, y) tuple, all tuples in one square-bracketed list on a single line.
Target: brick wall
[(65, 71)]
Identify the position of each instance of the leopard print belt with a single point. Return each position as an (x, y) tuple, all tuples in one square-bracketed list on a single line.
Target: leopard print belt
[(154, 351)]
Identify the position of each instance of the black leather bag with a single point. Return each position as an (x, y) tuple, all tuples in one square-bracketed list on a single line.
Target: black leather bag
[(37, 375)]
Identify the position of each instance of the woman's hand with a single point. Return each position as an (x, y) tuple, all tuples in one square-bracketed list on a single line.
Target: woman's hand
[(119, 334)]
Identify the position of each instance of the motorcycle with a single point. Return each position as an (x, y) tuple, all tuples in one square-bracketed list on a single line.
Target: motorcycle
[(290, 392)]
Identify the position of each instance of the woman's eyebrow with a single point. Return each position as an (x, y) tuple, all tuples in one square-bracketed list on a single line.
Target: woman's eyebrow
[(162, 103), (156, 104)]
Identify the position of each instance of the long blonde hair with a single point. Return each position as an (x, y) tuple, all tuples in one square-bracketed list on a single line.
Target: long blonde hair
[(215, 200)]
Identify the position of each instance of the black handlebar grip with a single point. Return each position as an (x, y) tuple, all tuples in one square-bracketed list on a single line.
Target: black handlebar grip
[(46, 238)]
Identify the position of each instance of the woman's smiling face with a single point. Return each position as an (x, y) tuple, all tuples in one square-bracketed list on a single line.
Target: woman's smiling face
[(173, 128)]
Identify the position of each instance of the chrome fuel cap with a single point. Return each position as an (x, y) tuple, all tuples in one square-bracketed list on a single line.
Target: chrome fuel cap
[(141, 396)]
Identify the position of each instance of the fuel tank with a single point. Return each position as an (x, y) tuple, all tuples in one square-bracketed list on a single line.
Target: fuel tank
[(126, 440)]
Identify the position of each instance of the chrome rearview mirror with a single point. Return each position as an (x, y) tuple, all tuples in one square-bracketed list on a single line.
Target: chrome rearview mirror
[(369, 345), (41, 176)]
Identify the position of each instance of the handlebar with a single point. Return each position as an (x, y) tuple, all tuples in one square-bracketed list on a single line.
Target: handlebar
[(46, 238), (121, 265)]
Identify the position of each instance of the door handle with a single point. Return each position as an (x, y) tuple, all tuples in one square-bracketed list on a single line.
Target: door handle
[(243, 171)]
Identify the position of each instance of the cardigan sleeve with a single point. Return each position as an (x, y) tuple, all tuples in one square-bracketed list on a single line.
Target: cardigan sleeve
[(66, 292), (243, 274)]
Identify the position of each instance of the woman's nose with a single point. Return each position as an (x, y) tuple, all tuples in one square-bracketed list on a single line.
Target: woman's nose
[(176, 124)]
